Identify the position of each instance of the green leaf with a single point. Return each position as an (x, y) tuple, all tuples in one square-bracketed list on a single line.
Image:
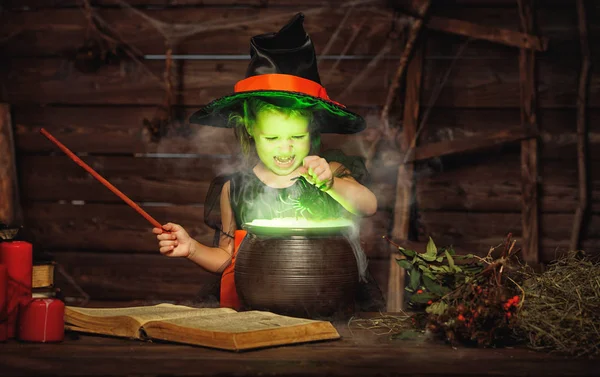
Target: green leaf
[(450, 259), (439, 259), (438, 307), (415, 279), (433, 286), (427, 257), (408, 253), (437, 268), (430, 251), (405, 264), (428, 274)]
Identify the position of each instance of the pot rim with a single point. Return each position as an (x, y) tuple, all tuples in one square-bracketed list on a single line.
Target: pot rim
[(261, 230)]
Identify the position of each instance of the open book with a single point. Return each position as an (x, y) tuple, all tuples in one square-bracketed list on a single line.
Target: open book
[(211, 327)]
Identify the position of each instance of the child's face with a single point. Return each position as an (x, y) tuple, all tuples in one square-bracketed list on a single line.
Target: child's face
[(281, 141)]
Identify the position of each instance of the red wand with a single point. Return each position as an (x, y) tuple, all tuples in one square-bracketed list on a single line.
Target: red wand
[(106, 183)]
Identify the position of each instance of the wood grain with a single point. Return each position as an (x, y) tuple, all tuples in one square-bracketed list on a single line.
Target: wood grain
[(529, 148), (61, 32), (474, 83), (480, 231), (55, 31), (120, 130), (127, 276), (9, 191), (117, 228)]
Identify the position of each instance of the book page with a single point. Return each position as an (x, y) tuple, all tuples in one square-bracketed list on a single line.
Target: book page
[(127, 321), (241, 331), (143, 314), (238, 322)]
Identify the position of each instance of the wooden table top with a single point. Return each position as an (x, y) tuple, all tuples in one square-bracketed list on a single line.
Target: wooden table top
[(359, 353)]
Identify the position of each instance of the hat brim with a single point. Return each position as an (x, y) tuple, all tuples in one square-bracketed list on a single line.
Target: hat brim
[(332, 117)]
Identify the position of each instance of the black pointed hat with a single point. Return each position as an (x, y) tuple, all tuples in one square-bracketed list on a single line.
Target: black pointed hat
[(283, 71)]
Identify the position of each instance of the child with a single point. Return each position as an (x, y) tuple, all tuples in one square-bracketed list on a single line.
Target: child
[(278, 113)]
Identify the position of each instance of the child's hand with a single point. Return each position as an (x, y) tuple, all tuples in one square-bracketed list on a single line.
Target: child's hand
[(174, 243), (317, 171)]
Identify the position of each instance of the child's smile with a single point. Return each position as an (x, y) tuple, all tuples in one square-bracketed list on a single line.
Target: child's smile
[(284, 162), (282, 141)]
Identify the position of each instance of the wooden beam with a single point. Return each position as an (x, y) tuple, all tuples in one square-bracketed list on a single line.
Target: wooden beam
[(9, 198), (422, 9), (488, 33), (404, 181), (469, 144), (584, 76), (529, 148)]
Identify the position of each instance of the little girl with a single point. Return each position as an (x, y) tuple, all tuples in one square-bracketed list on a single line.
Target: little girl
[(278, 113)]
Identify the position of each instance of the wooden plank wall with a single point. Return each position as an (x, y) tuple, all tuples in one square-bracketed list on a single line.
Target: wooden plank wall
[(470, 201)]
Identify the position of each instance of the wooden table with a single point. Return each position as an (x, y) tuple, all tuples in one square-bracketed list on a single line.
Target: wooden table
[(358, 353)]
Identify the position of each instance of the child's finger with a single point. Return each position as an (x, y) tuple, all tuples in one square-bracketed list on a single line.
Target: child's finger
[(172, 227), (308, 159), (166, 236), (319, 170), (167, 243), (157, 230), (166, 249)]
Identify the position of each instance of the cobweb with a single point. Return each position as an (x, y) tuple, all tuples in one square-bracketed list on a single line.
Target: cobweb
[(175, 32)]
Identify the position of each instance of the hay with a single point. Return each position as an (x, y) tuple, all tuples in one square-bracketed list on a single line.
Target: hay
[(561, 311)]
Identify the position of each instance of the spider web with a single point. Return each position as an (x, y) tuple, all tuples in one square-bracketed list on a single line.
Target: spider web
[(175, 32)]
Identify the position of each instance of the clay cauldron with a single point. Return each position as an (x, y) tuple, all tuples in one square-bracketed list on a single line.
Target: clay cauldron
[(297, 271)]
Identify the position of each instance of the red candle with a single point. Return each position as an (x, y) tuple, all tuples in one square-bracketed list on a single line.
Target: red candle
[(42, 320), (3, 303), (17, 257)]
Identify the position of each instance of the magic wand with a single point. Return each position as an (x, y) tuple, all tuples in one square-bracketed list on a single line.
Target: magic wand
[(106, 183)]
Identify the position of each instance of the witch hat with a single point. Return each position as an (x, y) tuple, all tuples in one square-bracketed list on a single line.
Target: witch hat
[(283, 71)]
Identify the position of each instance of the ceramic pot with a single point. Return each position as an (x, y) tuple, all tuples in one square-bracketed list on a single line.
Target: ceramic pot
[(308, 273)]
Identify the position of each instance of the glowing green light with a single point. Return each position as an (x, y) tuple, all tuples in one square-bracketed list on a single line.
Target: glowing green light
[(290, 222), (288, 226)]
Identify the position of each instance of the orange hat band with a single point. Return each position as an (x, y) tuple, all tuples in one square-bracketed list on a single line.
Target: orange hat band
[(285, 83)]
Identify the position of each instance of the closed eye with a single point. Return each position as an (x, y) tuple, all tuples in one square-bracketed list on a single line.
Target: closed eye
[(299, 137), (271, 138)]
